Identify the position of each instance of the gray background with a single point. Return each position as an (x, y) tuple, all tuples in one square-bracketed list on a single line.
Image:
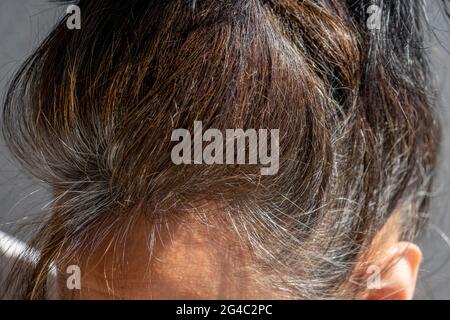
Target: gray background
[(24, 23)]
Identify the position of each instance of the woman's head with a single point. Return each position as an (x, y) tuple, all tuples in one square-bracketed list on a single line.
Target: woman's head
[(92, 114)]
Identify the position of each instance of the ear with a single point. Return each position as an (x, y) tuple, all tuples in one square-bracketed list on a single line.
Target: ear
[(398, 280)]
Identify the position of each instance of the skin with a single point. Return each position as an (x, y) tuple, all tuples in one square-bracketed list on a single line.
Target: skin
[(193, 261), (196, 261)]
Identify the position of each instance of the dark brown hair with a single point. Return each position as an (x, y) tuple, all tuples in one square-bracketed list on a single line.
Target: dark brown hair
[(91, 113)]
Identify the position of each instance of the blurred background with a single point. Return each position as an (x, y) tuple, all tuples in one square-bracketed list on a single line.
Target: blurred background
[(23, 25)]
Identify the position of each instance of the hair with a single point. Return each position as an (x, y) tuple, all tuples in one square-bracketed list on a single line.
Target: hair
[(92, 111)]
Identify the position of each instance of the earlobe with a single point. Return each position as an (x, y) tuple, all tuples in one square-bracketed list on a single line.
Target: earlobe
[(398, 281)]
